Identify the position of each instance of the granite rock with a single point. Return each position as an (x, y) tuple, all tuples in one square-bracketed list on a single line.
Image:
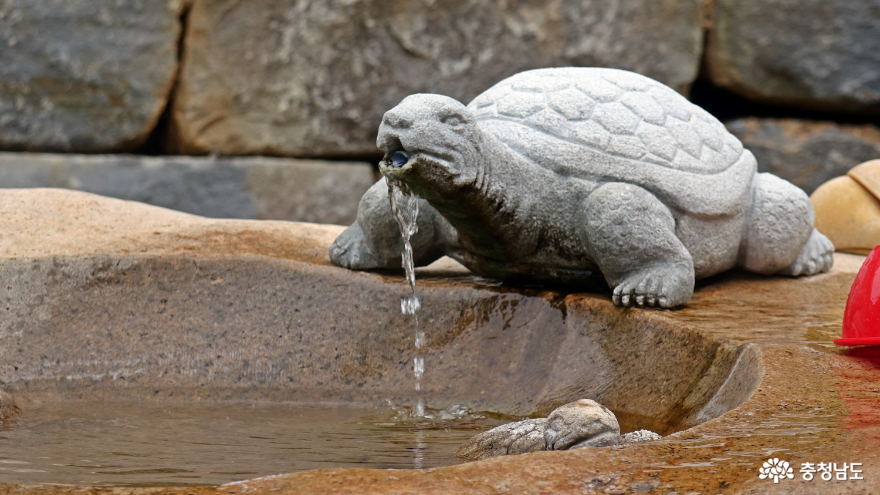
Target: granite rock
[(85, 75), (313, 78), (256, 188), (811, 53), (806, 153)]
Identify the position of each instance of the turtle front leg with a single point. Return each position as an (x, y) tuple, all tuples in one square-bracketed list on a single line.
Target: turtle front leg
[(630, 235), (373, 241)]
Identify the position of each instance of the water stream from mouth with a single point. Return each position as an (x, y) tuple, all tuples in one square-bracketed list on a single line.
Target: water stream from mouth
[(405, 206)]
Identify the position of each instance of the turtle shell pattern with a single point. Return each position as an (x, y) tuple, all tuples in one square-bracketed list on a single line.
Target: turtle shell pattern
[(613, 125)]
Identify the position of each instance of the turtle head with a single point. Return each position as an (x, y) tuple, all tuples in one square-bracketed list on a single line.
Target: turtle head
[(431, 143)]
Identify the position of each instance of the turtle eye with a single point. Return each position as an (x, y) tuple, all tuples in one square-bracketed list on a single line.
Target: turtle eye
[(399, 158), (452, 120)]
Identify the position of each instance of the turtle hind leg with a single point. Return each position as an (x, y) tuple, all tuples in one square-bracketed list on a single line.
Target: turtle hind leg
[(630, 235), (779, 236)]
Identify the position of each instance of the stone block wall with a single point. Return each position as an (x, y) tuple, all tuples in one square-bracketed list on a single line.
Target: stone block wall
[(312, 78), (811, 53), (85, 75)]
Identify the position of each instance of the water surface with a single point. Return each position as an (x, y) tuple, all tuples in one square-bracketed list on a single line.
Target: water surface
[(155, 444)]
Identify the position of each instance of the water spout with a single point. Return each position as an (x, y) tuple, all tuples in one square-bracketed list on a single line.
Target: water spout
[(405, 206)]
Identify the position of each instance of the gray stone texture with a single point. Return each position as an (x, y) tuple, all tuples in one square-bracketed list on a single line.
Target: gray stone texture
[(558, 174), (807, 153), (514, 438), (85, 75), (814, 53), (313, 78), (253, 188), (582, 423)]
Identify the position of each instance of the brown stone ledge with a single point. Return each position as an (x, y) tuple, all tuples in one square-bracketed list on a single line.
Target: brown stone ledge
[(814, 403)]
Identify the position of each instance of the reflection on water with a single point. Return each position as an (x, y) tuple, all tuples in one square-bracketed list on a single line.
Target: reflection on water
[(154, 444)]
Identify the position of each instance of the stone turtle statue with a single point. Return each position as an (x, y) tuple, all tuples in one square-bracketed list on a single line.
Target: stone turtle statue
[(583, 423), (561, 174)]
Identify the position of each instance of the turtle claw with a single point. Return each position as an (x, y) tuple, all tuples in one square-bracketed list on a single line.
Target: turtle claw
[(815, 257), (663, 287)]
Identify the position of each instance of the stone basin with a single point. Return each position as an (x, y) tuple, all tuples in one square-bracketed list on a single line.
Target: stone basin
[(107, 299)]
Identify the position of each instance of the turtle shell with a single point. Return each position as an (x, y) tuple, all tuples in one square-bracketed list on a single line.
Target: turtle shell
[(609, 125)]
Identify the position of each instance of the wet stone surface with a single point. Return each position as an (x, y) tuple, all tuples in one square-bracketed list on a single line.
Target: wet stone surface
[(744, 372)]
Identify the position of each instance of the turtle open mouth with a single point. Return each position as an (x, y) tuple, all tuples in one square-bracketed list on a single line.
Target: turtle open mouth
[(396, 156), (398, 159)]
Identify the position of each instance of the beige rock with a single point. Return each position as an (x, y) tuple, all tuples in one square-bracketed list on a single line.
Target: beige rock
[(313, 78), (42, 223), (868, 175), (848, 210), (96, 285)]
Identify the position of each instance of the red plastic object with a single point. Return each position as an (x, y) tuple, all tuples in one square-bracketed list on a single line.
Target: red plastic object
[(861, 319)]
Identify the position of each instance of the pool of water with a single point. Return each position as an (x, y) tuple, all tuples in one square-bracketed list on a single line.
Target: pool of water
[(179, 444)]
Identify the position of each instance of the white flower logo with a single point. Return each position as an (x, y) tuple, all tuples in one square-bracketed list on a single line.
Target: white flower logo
[(776, 469)]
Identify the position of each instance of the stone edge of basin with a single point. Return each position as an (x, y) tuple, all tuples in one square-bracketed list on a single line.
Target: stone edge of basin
[(48, 223)]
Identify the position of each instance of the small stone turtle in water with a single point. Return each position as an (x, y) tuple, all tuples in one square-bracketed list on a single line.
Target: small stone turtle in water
[(582, 423), (555, 174)]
